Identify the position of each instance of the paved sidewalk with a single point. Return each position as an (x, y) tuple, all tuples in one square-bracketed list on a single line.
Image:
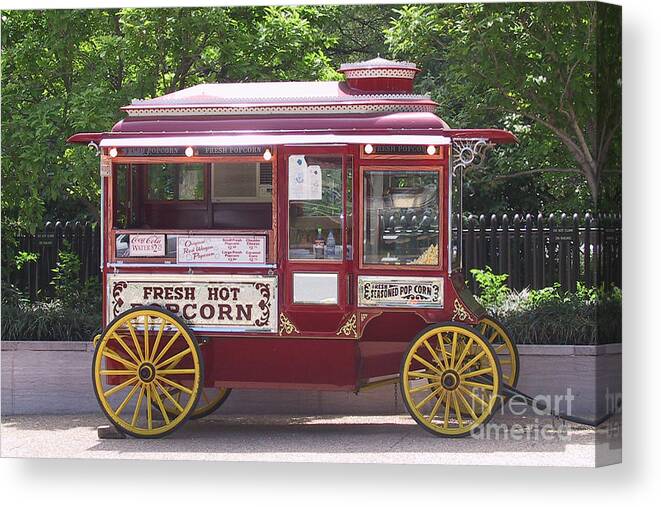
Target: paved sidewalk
[(355, 439)]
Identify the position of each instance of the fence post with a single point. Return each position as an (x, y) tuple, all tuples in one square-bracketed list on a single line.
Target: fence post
[(575, 254), (587, 251), (515, 253), (551, 274), (493, 239), (470, 250), (504, 248), (482, 242), (528, 254), (540, 257), (562, 252)]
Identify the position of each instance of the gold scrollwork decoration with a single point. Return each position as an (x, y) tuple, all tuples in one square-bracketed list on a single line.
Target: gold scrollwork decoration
[(460, 312), (287, 326), (349, 328)]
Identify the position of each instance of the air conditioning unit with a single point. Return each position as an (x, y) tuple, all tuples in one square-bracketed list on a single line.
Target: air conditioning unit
[(241, 182)]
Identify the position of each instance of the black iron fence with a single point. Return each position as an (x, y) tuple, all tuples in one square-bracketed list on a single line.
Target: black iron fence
[(536, 251), (34, 277)]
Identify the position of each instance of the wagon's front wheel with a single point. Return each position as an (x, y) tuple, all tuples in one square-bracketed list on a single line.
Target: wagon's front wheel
[(450, 379), (145, 358)]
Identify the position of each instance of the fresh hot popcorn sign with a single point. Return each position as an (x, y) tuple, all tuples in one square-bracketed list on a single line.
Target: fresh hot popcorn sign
[(230, 302), (221, 249)]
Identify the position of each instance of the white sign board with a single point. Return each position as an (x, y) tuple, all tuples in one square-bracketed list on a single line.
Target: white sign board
[(221, 249), (147, 245), (105, 168), (401, 291), (228, 302), (304, 180)]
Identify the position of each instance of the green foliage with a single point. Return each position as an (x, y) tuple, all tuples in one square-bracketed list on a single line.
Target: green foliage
[(74, 313), (551, 316), (493, 290), (549, 72), (23, 258)]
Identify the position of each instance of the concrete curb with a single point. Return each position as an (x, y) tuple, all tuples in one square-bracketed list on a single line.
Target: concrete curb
[(589, 374)]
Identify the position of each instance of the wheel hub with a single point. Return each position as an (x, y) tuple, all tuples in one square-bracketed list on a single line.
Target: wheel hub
[(450, 380), (147, 372)]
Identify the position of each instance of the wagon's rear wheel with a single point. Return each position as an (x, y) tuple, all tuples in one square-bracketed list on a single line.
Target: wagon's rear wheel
[(501, 339), (211, 398), (450, 379), (145, 356)]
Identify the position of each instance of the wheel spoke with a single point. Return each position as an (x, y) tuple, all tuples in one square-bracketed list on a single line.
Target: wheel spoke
[(169, 396), (433, 353), (136, 412), (467, 347), (159, 402), (146, 337), (467, 405), (454, 349), (500, 347), (129, 324), (419, 374), (206, 398), (473, 395), (129, 396), (457, 412), (446, 417), (174, 384), (185, 371), (436, 406), (427, 363), (116, 372), (493, 336), (119, 387), (428, 397), (441, 345), (111, 355), (426, 385), (471, 362), (477, 384), (149, 418), (167, 347), (476, 373), (180, 355), (126, 347), (157, 342)]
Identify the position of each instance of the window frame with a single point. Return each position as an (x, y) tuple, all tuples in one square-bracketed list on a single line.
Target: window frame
[(343, 230), (402, 167)]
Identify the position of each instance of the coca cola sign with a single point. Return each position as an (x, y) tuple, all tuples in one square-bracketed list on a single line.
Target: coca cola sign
[(147, 245)]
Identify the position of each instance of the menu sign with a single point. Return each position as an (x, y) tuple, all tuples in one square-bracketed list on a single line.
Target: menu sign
[(400, 291), (147, 245), (221, 249)]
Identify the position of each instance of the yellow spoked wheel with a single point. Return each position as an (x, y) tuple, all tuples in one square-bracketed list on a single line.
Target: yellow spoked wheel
[(145, 358), (211, 398), (450, 379), (505, 348)]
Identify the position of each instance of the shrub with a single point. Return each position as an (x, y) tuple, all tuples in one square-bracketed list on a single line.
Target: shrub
[(588, 316), (74, 314)]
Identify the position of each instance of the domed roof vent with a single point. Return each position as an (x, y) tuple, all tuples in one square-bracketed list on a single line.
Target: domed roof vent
[(380, 76)]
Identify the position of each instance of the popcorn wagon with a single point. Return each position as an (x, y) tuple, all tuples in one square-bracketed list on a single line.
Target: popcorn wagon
[(291, 235)]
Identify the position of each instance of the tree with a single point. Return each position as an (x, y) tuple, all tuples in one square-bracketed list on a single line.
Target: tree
[(549, 72)]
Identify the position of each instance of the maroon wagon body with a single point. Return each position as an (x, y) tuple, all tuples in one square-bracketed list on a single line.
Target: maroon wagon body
[(370, 125)]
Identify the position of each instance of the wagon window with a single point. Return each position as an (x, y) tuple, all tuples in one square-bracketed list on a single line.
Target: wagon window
[(315, 207), (400, 221), (175, 182)]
